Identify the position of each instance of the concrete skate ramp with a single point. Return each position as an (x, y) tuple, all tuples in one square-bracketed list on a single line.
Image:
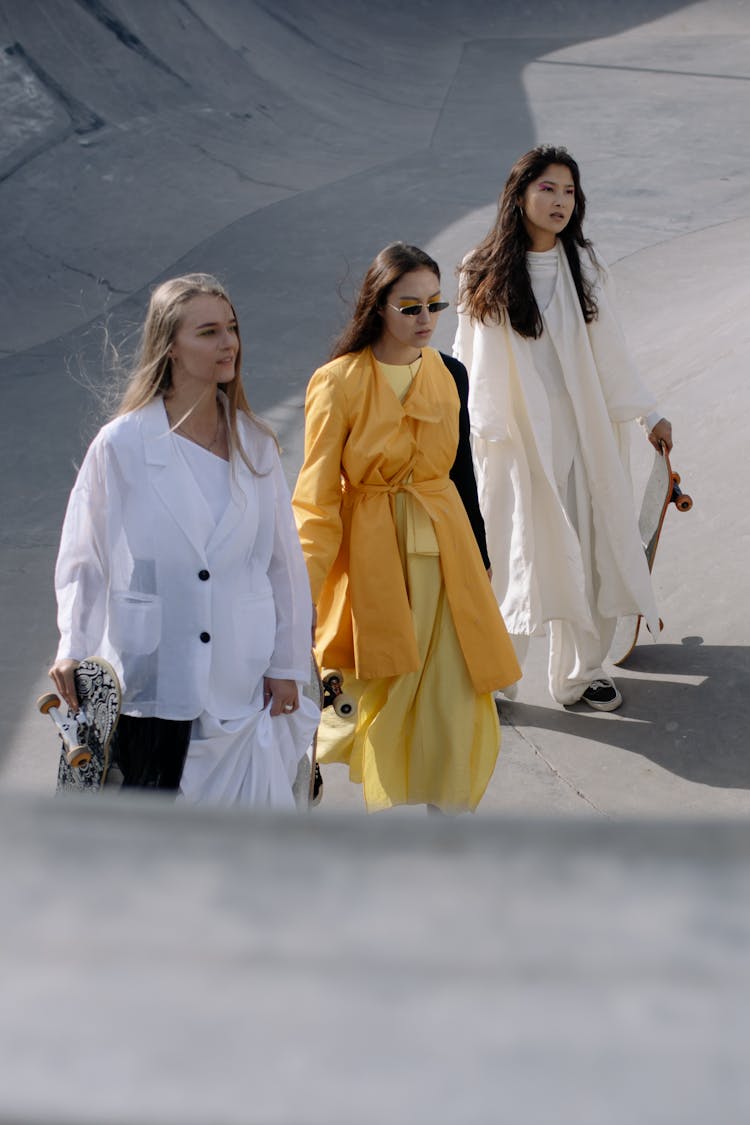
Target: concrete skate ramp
[(136, 131), (280, 145)]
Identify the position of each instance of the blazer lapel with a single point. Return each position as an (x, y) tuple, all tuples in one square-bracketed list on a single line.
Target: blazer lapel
[(172, 480)]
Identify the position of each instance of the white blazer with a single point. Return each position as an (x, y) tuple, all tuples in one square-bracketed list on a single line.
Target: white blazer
[(192, 614)]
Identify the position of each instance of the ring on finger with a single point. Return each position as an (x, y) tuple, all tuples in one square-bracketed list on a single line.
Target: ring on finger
[(288, 707)]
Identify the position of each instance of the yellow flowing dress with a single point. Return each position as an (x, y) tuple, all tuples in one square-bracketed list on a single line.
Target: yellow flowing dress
[(425, 736)]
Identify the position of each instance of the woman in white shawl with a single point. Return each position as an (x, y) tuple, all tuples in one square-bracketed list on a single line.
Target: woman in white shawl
[(552, 386)]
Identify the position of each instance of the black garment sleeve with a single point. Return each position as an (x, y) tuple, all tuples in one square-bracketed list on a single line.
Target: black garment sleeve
[(462, 473)]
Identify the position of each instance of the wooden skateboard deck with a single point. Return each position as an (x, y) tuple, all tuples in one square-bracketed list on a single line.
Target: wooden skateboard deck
[(662, 489), (86, 735)]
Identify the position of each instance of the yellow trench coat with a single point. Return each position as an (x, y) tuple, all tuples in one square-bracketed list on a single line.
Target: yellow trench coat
[(362, 446)]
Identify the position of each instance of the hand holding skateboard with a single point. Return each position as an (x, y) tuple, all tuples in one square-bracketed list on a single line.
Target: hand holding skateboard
[(662, 489), (661, 435), (86, 731), (62, 674)]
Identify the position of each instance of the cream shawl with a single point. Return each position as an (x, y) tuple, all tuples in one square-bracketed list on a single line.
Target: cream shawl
[(538, 570)]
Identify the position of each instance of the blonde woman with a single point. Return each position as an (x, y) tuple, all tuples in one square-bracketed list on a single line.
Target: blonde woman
[(179, 563)]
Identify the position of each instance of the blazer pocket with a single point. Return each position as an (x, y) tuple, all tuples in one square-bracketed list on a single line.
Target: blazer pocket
[(134, 622)]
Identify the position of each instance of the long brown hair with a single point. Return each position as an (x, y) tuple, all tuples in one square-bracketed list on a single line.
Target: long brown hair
[(495, 279), (151, 374), (390, 265)]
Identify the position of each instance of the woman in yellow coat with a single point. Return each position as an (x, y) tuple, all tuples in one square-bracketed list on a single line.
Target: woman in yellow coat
[(396, 554)]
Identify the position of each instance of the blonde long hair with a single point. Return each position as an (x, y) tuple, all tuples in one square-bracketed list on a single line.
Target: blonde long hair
[(151, 374)]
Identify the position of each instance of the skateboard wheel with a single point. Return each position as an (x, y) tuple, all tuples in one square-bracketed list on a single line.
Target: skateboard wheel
[(78, 756), (684, 502), (45, 703), (344, 705), (676, 478)]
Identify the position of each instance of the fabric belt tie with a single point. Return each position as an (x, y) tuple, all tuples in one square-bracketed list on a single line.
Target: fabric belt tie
[(376, 560)]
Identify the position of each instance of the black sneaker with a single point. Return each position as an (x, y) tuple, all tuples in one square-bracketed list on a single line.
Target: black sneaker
[(602, 695)]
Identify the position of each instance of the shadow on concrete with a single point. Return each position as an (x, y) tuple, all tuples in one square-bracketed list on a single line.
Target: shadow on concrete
[(710, 688)]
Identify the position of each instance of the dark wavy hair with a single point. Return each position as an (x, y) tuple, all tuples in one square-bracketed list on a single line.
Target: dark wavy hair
[(366, 324), (494, 277)]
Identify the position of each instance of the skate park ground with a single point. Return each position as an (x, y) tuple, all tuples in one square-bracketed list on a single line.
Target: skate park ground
[(280, 146), (307, 138)]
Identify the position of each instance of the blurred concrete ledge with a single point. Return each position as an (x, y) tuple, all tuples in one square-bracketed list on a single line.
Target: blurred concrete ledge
[(164, 964)]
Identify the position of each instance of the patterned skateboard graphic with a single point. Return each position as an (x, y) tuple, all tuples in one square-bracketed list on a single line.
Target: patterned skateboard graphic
[(99, 696)]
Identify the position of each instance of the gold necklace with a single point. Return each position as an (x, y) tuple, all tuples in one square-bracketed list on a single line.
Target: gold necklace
[(191, 437)]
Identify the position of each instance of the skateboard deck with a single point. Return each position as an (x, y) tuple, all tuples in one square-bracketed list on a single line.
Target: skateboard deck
[(327, 689), (87, 734), (308, 784), (662, 489)]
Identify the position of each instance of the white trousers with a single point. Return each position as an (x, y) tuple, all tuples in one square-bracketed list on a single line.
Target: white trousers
[(576, 657), (577, 650)]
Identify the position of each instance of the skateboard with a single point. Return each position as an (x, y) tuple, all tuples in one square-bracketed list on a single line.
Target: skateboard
[(86, 735), (662, 489), (308, 784), (335, 696), (328, 691)]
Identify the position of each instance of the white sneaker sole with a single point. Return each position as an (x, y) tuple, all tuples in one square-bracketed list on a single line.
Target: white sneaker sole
[(612, 705)]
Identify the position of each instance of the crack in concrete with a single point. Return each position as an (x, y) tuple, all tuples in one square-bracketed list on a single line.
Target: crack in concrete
[(448, 95), (243, 176), (95, 277), (295, 30), (76, 269), (560, 777), (209, 29)]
